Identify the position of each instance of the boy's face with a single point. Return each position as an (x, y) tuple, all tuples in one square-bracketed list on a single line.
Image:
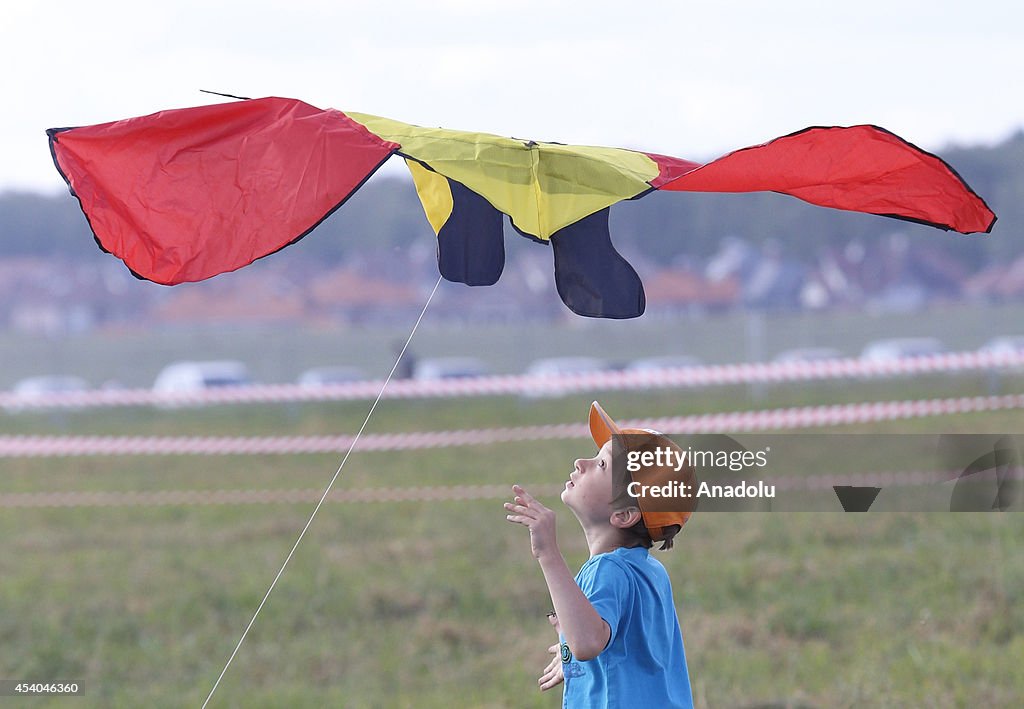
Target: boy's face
[(588, 492)]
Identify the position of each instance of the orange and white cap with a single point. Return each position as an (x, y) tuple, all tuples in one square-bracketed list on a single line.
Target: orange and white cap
[(656, 514)]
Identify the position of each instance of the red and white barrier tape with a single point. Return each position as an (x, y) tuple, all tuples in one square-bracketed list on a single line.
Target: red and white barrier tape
[(250, 497), (524, 385), (770, 419)]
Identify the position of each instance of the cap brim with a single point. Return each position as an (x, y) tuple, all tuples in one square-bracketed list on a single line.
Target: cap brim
[(602, 427)]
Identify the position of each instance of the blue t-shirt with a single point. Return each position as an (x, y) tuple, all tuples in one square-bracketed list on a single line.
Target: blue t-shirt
[(644, 664)]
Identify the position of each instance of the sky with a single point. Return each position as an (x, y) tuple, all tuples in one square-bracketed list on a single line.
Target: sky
[(689, 79)]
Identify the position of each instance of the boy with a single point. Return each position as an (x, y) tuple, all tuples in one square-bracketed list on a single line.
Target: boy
[(620, 640)]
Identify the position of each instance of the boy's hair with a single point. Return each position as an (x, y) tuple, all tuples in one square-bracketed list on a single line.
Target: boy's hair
[(639, 533)]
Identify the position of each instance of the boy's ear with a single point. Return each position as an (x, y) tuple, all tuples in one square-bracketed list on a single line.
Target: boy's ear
[(626, 517)]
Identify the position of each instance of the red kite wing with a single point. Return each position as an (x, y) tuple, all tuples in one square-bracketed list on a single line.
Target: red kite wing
[(183, 195), (861, 169)]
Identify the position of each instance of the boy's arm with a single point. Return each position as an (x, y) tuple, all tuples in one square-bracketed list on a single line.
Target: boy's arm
[(584, 629)]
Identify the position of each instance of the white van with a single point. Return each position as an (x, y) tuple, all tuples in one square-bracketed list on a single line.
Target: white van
[(181, 377), (450, 368)]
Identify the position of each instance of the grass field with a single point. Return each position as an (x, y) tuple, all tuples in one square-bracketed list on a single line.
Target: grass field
[(439, 604)]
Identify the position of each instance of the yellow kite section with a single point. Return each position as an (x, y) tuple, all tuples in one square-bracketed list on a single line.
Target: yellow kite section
[(435, 194), (542, 186)]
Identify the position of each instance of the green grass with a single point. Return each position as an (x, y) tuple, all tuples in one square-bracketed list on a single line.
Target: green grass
[(439, 604)]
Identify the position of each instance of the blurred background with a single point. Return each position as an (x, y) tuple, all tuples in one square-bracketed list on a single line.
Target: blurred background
[(137, 539)]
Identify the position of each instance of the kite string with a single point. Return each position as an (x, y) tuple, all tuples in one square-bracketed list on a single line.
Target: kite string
[(326, 491)]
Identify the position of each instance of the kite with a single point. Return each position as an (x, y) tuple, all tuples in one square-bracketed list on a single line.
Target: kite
[(185, 194)]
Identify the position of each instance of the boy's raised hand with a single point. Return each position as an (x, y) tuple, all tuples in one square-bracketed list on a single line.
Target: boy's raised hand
[(525, 510)]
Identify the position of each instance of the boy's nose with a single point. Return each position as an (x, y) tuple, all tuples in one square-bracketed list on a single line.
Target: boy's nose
[(577, 465)]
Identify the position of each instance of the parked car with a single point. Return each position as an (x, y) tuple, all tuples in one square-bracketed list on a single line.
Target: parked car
[(29, 390), (197, 376), (647, 364), (555, 368), (808, 354), (561, 366), (901, 348), (1004, 344), (49, 384), (449, 368), (326, 376)]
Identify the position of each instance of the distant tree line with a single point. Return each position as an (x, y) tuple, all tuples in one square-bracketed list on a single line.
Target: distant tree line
[(385, 214)]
